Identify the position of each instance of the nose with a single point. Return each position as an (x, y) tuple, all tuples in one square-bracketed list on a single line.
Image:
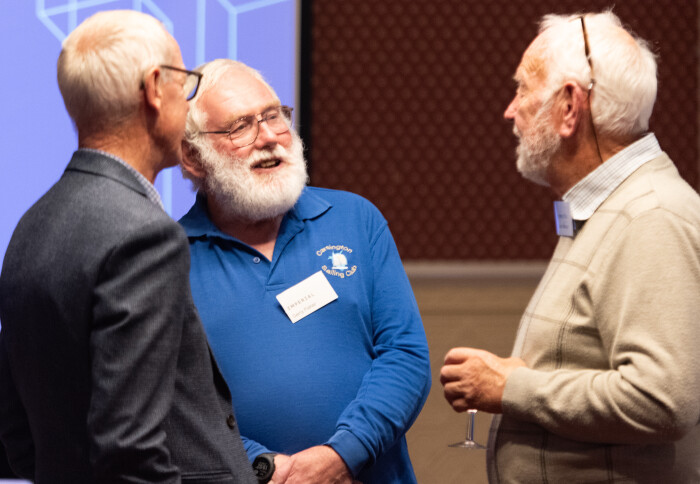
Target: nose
[(511, 109), (265, 135)]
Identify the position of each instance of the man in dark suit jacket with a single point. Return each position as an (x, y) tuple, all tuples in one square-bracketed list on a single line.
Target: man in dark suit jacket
[(105, 372)]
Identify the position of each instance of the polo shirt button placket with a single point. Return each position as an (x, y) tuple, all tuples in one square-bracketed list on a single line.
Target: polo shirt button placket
[(256, 260)]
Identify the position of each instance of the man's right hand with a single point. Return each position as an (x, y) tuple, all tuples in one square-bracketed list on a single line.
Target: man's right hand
[(319, 465), (474, 378)]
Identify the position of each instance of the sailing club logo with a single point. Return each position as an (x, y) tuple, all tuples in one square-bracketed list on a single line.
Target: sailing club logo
[(337, 261)]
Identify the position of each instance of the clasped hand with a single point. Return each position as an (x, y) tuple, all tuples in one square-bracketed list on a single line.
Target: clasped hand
[(320, 465), (475, 379)]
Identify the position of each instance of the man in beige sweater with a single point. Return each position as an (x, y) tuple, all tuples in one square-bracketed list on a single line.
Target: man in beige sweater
[(604, 381)]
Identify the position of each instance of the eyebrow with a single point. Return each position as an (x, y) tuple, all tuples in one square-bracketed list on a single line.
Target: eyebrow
[(233, 119), (519, 77)]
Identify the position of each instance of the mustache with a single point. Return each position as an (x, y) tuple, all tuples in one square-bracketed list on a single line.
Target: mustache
[(278, 152)]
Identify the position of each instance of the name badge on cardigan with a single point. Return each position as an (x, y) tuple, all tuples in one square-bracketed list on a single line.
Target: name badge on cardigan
[(563, 220), (307, 296)]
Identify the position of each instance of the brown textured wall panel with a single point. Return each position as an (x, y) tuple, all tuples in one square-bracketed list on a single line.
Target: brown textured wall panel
[(407, 103)]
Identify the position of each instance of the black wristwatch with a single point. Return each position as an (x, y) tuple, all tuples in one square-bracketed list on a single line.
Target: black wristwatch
[(264, 467)]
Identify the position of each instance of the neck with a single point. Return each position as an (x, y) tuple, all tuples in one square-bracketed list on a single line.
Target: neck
[(129, 141), (579, 158), (260, 235)]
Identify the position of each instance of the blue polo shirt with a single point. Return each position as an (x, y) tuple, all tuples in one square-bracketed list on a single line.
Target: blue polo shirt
[(353, 374)]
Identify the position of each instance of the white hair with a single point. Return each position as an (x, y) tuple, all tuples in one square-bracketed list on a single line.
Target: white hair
[(212, 72), (102, 63), (624, 69)]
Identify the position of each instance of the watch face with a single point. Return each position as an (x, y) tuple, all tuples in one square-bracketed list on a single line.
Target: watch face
[(262, 467)]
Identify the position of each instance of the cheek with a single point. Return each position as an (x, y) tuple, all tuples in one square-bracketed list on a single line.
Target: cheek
[(524, 116), (240, 153), (285, 139), (222, 144)]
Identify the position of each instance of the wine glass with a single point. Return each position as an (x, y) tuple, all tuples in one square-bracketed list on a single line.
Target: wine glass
[(469, 442)]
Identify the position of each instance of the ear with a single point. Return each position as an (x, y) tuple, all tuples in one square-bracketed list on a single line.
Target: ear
[(153, 88), (571, 107), (190, 161)]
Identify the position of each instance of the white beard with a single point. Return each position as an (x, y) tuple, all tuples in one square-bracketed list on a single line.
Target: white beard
[(537, 146), (250, 196)]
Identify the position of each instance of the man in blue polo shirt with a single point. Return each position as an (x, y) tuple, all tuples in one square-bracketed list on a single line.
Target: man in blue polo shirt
[(302, 293)]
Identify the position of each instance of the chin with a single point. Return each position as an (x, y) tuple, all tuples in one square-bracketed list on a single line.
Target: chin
[(533, 168), (534, 174)]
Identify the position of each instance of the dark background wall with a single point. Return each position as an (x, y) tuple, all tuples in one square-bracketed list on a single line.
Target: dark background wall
[(402, 102)]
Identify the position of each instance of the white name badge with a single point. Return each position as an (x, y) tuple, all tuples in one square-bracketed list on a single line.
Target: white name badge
[(562, 217), (308, 296)]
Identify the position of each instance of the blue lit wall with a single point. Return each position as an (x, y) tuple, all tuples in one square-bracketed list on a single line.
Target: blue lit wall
[(37, 137)]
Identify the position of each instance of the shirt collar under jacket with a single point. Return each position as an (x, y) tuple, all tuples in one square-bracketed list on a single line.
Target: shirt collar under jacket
[(198, 224), (589, 193), (151, 192)]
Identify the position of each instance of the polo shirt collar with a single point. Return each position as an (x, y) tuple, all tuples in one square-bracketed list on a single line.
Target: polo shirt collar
[(309, 206), (198, 224)]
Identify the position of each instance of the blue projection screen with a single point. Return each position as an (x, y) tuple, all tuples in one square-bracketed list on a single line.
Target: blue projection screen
[(37, 135)]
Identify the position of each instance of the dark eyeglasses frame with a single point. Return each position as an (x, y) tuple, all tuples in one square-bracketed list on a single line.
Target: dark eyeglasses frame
[(198, 75), (587, 50), (286, 112)]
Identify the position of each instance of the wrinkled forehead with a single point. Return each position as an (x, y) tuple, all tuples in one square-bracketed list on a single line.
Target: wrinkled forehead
[(236, 94), (532, 67)]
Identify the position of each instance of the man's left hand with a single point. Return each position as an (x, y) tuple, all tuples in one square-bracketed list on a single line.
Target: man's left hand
[(475, 379)]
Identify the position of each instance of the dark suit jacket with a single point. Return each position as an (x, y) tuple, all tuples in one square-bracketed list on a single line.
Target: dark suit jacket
[(105, 371)]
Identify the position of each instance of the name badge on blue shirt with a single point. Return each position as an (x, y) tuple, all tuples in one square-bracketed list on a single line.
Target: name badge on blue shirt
[(307, 296)]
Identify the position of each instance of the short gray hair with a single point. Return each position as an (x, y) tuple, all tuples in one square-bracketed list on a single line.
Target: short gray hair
[(102, 63), (624, 72)]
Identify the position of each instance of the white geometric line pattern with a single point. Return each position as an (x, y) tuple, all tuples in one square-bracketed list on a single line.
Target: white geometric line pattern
[(71, 8), (233, 11)]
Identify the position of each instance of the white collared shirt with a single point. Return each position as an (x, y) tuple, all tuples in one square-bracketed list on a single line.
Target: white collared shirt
[(585, 197)]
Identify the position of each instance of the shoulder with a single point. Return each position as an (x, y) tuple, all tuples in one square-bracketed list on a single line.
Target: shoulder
[(344, 201), (657, 187), (94, 211), (346, 213), (653, 216)]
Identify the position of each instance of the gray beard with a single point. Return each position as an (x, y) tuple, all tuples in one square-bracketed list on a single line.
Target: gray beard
[(537, 147), (253, 197)]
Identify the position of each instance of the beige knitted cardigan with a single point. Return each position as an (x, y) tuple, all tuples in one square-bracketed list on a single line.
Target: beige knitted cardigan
[(612, 341)]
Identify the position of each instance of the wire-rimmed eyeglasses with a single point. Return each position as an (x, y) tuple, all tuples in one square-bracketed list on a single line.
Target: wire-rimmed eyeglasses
[(587, 51), (191, 85), (244, 131)]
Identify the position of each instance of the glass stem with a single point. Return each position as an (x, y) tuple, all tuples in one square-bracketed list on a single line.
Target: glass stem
[(470, 425)]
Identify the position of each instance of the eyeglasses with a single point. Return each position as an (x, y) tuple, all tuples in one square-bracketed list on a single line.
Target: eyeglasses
[(191, 85), (244, 131), (587, 50)]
